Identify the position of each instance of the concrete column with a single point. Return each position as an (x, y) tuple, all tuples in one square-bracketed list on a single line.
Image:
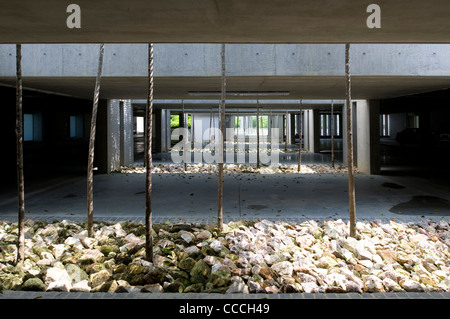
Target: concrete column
[(277, 124), (366, 136), (114, 137), (306, 126), (288, 128), (314, 130), (161, 128), (165, 130), (292, 130)]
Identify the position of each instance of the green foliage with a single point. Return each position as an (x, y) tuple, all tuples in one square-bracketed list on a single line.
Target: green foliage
[(175, 121)]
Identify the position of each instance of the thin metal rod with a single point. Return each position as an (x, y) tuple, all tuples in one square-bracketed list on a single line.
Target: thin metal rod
[(90, 168), (185, 138), (332, 133), (148, 159), (351, 182), (19, 151), (286, 130), (257, 133), (300, 120), (221, 147)]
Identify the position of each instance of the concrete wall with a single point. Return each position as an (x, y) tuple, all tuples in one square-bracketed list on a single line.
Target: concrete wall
[(74, 60)]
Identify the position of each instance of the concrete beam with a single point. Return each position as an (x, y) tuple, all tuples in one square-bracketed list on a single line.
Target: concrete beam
[(203, 60)]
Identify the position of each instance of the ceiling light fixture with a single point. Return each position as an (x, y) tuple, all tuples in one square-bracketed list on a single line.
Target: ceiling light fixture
[(239, 93)]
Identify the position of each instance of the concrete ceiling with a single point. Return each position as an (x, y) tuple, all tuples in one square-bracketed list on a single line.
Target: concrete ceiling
[(312, 87), (230, 21)]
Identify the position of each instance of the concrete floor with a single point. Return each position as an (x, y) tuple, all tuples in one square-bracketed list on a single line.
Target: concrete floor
[(246, 196), (405, 190)]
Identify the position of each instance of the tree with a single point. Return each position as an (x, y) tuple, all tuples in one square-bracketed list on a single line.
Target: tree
[(148, 160), (351, 182), (90, 169), (221, 147), (19, 146)]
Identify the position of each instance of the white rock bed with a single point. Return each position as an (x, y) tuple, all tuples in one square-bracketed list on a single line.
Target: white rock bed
[(240, 168), (247, 257)]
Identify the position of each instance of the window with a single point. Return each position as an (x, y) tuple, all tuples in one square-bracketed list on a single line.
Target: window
[(384, 125), (32, 127), (325, 124), (76, 126), (336, 125), (28, 127), (140, 125)]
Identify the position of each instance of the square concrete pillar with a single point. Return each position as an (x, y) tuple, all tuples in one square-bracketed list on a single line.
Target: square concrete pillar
[(161, 129), (114, 135), (306, 125), (277, 124), (366, 135), (292, 130), (313, 128)]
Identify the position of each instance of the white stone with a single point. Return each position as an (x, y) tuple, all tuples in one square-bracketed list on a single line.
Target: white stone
[(152, 288), (336, 280), (411, 285), (56, 274), (47, 255), (362, 253), (204, 235), (272, 259), (187, 236), (71, 241), (211, 260), (58, 250), (192, 250), (283, 268), (326, 262), (348, 243), (216, 245), (309, 287), (93, 254), (366, 263), (372, 283), (81, 286), (133, 239), (237, 287), (60, 285), (391, 286), (88, 242)]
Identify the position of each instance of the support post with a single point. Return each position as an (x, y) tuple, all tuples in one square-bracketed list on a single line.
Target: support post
[(257, 133), (148, 161), (90, 169), (286, 124), (221, 147), (351, 181), (300, 138), (332, 134), (185, 144), (19, 145)]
